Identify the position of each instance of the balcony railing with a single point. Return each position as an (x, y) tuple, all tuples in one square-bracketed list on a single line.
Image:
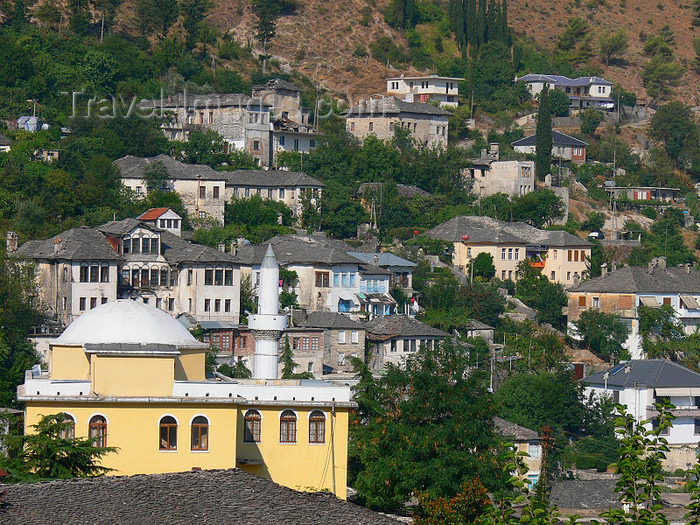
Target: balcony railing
[(364, 288)]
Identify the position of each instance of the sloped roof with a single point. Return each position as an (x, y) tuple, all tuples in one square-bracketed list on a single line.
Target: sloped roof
[(560, 80), (152, 214), (4, 141), (558, 139), (206, 497), (515, 431), (493, 231), (655, 373), (331, 321), (277, 83), (389, 326), (579, 494), (473, 324), (269, 179), (132, 167), (189, 100), (406, 191), (379, 107), (638, 280), (178, 250), (385, 259), (300, 249), (118, 228), (74, 244)]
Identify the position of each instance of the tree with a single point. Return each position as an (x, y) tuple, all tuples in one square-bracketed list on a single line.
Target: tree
[(612, 44), (288, 364), (156, 177), (575, 32), (248, 299), (482, 266), (538, 208), (50, 453), (431, 431), (590, 120), (236, 371), (675, 126), (559, 103), (205, 147), (155, 15), (402, 14), (661, 43), (660, 75), (602, 333), (544, 141)]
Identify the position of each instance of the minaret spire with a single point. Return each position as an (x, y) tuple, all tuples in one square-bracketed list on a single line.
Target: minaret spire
[(268, 324)]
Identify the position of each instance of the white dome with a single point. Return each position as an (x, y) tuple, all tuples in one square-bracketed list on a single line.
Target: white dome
[(127, 321)]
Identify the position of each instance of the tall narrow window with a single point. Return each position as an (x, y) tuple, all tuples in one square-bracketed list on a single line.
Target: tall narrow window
[(228, 277), (209, 276), (84, 273), (98, 431), (104, 273), (200, 433), (251, 431), (288, 427), (68, 432), (317, 427), (168, 433)]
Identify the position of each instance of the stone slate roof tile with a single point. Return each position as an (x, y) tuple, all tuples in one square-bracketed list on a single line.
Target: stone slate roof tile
[(558, 139), (277, 83), (508, 429), (493, 231), (74, 244), (638, 279), (300, 249), (655, 373), (331, 321), (594, 494), (204, 497), (269, 178), (132, 167), (4, 141), (379, 107), (388, 326), (189, 100), (406, 191), (386, 259)]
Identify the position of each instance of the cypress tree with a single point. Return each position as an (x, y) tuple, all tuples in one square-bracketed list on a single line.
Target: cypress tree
[(505, 33), (543, 144), (481, 23), (471, 24), (457, 22)]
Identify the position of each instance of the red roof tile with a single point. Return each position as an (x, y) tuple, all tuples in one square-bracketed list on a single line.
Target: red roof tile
[(152, 214)]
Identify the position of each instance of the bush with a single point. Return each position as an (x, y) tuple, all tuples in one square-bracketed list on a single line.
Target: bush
[(383, 49), (650, 213)]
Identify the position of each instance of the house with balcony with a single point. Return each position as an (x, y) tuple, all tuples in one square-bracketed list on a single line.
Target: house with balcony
[(202, 189), (583, 92), (560, 256), (401, 269), (640, 383), (82, 268), (643, 193), (444, 90), (564, 147), (622, 290)]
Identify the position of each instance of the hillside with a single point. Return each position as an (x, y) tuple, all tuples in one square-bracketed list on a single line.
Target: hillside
[(320, 38)]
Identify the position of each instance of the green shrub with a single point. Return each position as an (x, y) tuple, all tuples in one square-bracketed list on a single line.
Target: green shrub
[(650, 213)]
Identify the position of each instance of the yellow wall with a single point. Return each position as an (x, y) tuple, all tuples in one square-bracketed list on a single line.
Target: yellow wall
[(134, 428), (69, 362), (302, 465), (190, 366), (132, 376)]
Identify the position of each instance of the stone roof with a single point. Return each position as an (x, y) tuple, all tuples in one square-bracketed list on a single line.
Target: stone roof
[(132, 167), (331, 321), (639, 280), (205, 497), (384, 259), (578, 494), (277, 83), (473, 324), (379, 107), (300, 249), (654, 373), (492, 231), (558, 139), (270, 179), (563, 81), (4, 141), (73, 244), (508, 429), (204, 101), (389, 326), (405, 191)]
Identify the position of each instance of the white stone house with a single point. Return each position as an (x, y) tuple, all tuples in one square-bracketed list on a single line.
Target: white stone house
[(638, 384), (512, 177), (583, 92), (444, 90)]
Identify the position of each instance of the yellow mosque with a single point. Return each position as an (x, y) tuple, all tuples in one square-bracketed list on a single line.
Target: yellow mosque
[(133, 376)]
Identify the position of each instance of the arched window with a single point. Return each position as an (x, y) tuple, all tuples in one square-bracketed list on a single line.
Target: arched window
[(219, 276), (168, 433), (200, 433), (317, 427), (251, 432), (288, 427), (94, 273), (98, 431), (69, 431), (84, 271)]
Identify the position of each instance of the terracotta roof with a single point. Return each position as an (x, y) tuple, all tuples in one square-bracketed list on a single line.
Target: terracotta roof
[(204, 497), (152, 214)]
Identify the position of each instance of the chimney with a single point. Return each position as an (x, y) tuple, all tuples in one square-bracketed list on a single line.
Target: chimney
[(651, 265), (661, 262), (577, 279), (494, 150), (11, 242), (240, 241), (376, 260), (613, 266), (603, 270), (234, 248), (221, 247), (687, 268), (57, 245)]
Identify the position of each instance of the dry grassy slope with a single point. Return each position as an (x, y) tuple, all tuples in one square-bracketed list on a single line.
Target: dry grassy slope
[(319, 39), (544, 20)]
